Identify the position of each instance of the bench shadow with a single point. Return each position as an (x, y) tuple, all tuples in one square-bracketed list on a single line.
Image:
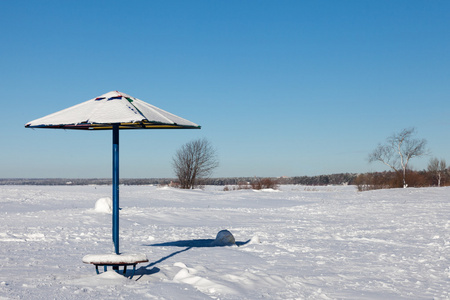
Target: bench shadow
[(189, 244)]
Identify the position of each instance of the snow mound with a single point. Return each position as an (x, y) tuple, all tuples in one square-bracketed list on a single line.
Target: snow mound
[(194, 277), (107, 278), (224, 238), (104, 205), (267, 191), (255, 240)]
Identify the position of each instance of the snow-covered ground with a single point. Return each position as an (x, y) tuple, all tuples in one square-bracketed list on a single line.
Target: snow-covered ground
[(296, 243)]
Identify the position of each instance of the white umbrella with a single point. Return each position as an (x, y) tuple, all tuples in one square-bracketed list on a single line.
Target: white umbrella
[(113, 108), (113, 111)]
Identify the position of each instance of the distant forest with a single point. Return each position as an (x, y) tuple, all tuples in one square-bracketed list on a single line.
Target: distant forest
[(333, 179), (364, 181)]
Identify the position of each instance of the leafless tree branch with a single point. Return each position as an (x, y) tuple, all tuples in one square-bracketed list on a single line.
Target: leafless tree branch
[(398, 150), (193, 161)]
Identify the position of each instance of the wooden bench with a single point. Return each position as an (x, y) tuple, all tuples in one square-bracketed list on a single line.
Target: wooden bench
[(115, 261)]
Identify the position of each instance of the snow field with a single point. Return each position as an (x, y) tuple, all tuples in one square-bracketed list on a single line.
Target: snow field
[(296, 243)]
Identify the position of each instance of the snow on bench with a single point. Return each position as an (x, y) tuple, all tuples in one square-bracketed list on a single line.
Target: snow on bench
[(115, 261)]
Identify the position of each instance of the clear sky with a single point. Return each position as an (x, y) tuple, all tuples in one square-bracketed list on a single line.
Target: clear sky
[(279, 87)]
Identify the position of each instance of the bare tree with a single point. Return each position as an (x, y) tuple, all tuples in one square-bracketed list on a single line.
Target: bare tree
[(398, 151), (437, 168), (194, 160)]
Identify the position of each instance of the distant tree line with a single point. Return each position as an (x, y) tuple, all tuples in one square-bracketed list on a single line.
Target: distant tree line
[(83, 181), (392, 179), (435, 175), (333, 179)]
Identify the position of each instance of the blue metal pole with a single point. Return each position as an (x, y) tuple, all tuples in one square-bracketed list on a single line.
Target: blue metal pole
[(115, 183)]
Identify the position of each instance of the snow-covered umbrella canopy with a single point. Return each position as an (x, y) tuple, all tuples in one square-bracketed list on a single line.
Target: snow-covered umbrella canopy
[(113, 111), (103, 112)]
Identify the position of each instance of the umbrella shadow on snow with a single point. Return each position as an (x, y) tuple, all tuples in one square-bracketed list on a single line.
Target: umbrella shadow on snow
[(189, 244), (199, 243)]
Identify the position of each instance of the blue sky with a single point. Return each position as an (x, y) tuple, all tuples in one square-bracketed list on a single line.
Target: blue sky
[(279, 87)]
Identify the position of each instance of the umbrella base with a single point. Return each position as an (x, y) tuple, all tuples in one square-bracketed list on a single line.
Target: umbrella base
[(116, 268)]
